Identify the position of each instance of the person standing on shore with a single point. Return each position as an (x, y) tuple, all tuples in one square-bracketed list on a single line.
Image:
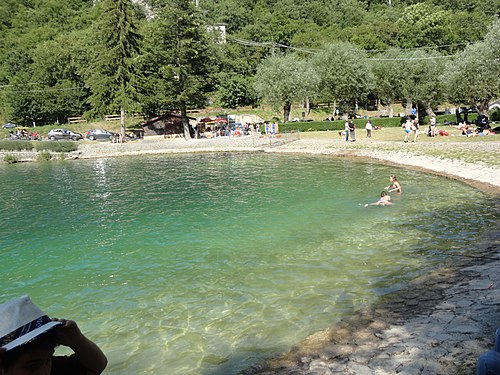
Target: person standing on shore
[(368, 128), (346, 130), (415, 128), (432, 126), (352, 131), (407, 126)]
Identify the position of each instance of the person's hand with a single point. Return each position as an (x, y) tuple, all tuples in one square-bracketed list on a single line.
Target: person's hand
[(88, 353), (68, 334)]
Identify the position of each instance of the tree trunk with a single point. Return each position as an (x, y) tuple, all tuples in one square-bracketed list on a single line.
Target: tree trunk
[(429, 110), (122, 124), (334, 113), (391, 108), (408, 107), (287, 108), (483, 107), (185, 121), (308, 106)]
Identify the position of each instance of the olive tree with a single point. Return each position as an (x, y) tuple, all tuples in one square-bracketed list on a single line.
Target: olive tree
[(420, 79), (282, 80), (345, 74), (474, 77)]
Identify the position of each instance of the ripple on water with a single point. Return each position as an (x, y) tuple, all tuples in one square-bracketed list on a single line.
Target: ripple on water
[(208, 263)]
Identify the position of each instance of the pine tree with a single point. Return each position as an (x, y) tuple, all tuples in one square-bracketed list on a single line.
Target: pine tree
[(112, 73), (183, 57)]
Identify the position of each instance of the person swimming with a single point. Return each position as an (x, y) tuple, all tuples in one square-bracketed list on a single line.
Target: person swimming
[(384, 200), (394, 186)]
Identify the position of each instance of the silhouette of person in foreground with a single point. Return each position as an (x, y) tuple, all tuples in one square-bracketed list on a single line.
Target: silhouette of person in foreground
[(28, 339)]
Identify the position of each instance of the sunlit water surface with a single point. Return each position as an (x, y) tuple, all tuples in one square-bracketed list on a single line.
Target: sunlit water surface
[(207, 263)]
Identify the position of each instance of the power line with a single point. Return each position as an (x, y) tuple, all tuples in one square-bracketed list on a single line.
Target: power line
[(43, 90), (413, 58), (251, 43), (31, 83)]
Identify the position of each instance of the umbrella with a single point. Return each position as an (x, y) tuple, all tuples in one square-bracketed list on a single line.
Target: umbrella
[(220, 120), (206, 119)]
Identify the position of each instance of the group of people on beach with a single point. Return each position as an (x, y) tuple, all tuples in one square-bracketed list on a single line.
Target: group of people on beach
[(385, 198)]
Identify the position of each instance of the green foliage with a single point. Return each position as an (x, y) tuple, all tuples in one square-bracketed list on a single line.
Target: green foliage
[(111, 71), (60, 146), (11, 159), (422, 24), (420, 80), (235, 91), (44, 156), (345, 74), (8, 145), (474, 77), (338, 125), (179, 60), (387, 70), (283, 80), (29, 94), (60, 59)]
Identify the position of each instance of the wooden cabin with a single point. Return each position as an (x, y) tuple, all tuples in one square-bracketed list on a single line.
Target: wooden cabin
[(168, 125)]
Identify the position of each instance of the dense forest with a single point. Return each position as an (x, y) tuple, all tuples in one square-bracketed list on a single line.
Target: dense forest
[(91, 57)]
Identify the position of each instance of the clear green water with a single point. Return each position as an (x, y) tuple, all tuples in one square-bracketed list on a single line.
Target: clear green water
[(205, 264)]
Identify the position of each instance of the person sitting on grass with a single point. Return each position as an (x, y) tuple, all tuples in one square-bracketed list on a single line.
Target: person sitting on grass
[(28, 339)]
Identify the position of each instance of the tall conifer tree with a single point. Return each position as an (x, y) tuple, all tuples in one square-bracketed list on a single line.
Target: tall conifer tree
[(183, 57), (111, 74)]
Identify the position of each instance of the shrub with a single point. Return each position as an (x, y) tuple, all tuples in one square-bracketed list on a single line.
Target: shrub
[(11, 159), (60, 146), (44, 156), (384, 122), (8, 145)]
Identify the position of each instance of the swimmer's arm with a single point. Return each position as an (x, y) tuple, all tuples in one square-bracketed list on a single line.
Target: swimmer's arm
[(87, 352)]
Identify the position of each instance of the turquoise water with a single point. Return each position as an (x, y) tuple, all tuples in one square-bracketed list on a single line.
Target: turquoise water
[(207, 263)]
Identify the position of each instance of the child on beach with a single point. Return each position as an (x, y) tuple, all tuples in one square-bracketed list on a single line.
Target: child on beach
[(28, 339)]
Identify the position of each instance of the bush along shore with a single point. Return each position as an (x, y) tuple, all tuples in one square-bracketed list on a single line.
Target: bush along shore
[(18, 151)]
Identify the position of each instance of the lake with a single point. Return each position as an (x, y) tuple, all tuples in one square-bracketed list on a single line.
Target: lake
[(208, 263)]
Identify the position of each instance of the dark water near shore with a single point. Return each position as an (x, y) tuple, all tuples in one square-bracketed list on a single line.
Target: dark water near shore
[(205, 264)]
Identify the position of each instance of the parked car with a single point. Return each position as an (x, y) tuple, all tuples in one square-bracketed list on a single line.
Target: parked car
[(96, 134), (56, 134), (9, 125)]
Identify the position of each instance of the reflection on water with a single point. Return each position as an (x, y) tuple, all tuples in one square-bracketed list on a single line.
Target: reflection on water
[(204, 264)]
